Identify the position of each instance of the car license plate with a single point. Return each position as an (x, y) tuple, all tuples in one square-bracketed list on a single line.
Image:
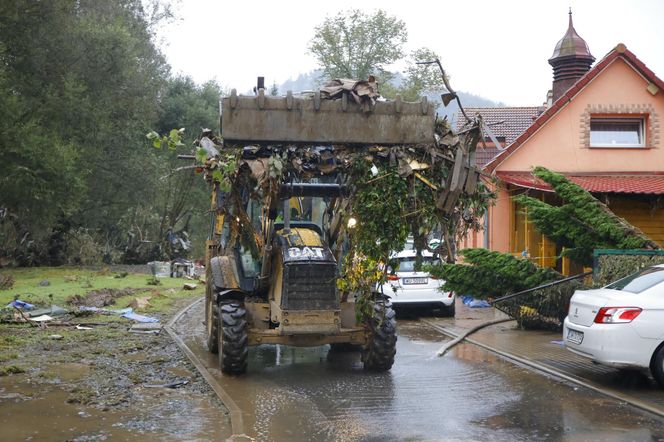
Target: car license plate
[(575, 337), (415, 280)]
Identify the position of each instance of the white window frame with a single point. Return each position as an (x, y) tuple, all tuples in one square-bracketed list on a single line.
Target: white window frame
[(642, 132)]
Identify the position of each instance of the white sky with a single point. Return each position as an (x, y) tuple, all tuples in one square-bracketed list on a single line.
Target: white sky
[(496, 49)]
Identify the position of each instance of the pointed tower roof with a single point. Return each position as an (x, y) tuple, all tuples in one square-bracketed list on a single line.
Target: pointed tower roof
[(571, 45)]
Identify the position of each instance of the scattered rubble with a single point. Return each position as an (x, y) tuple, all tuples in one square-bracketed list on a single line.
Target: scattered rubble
[(140, 303), (101, 298)]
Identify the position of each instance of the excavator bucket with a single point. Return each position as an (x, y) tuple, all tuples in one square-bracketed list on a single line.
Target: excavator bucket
[(314, 119)]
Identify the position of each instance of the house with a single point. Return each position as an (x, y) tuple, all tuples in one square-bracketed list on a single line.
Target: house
[(602, 130)]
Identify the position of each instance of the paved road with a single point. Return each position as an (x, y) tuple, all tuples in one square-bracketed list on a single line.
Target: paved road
[(471, 394)]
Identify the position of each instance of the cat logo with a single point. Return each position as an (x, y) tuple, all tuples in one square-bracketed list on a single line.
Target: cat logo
[(306, 252)]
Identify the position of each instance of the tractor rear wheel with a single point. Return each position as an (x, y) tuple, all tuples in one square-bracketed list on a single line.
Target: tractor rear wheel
[(232, 337), (378, 353)]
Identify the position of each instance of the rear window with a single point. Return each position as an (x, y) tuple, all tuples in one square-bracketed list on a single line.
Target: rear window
[(408, 264), (639, 281)]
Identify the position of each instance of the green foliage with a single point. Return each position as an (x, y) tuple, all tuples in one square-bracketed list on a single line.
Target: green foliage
[(590, 211), (582, 223), (488, 274), (171, 141), (353, 44), (360, 277), (421, 78), (380, 210), (80, 83), (561, 227), (67, 282)]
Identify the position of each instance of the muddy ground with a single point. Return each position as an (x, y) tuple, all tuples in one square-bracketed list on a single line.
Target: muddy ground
[(62, 383)]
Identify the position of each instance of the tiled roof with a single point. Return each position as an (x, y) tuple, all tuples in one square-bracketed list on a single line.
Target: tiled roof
[(507, 122), (619, 51), (615, 183)]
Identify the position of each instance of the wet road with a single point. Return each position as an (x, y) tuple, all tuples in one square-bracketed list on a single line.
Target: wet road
[(470, 394)]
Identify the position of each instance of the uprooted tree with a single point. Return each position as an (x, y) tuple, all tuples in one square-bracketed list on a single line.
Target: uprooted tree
[(582, 222), (578, 226)]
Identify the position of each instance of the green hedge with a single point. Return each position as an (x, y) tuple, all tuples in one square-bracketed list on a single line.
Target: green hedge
[(610, 265)]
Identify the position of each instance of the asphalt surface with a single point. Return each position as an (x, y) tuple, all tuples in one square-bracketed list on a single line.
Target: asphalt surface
[(544, 351), (469, 394)]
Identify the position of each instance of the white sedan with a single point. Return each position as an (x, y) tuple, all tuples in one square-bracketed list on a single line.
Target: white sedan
[(409, 288), (622, 324)]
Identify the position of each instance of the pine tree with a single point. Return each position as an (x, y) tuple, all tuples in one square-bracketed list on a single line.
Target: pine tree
[(582, 223), (488, 274)]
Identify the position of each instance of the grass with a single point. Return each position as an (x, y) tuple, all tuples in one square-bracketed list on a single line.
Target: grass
[(65, 282)]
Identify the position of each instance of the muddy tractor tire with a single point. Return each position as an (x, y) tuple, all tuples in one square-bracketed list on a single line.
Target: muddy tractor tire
[(232, 340), (378, 354), (211, 322)]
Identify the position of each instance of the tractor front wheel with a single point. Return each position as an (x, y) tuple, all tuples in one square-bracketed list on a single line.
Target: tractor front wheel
[(232, 337)]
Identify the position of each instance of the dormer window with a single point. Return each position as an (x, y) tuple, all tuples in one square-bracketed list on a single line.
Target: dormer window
[(617, 132)]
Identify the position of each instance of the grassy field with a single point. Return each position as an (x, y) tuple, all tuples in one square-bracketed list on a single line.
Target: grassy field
[(65, 282)]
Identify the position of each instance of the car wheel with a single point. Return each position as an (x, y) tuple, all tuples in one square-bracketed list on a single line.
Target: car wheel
[(378, 354), (450, 310), (657, 366), (232, 337), (447, 311)]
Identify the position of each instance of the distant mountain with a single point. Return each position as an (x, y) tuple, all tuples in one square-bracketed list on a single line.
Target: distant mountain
[(312, 80), (304, 82), (467, 100)]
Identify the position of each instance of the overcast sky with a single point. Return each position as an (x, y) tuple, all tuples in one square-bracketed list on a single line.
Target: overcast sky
[(496, 49)]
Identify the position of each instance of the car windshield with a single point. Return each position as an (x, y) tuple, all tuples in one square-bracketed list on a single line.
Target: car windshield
[(639, 281), (408, 264)]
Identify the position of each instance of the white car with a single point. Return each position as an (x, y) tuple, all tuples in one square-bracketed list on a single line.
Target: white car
[(622, 324), (408, 288)]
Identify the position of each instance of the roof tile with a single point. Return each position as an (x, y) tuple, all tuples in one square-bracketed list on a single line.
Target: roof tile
[(642, 183)]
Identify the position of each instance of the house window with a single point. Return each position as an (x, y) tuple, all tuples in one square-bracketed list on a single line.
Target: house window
[(617, 132)]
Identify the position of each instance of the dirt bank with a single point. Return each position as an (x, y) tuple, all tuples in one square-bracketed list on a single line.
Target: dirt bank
[(63, 383)]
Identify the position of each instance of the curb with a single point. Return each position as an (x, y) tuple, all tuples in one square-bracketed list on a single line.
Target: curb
[(555, 372), (237, 423)]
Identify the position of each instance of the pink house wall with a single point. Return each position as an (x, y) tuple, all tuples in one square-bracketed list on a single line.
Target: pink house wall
[(561, 143)]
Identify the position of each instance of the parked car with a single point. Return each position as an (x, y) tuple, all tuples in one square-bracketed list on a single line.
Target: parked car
[(622, 324), (409, 288)]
